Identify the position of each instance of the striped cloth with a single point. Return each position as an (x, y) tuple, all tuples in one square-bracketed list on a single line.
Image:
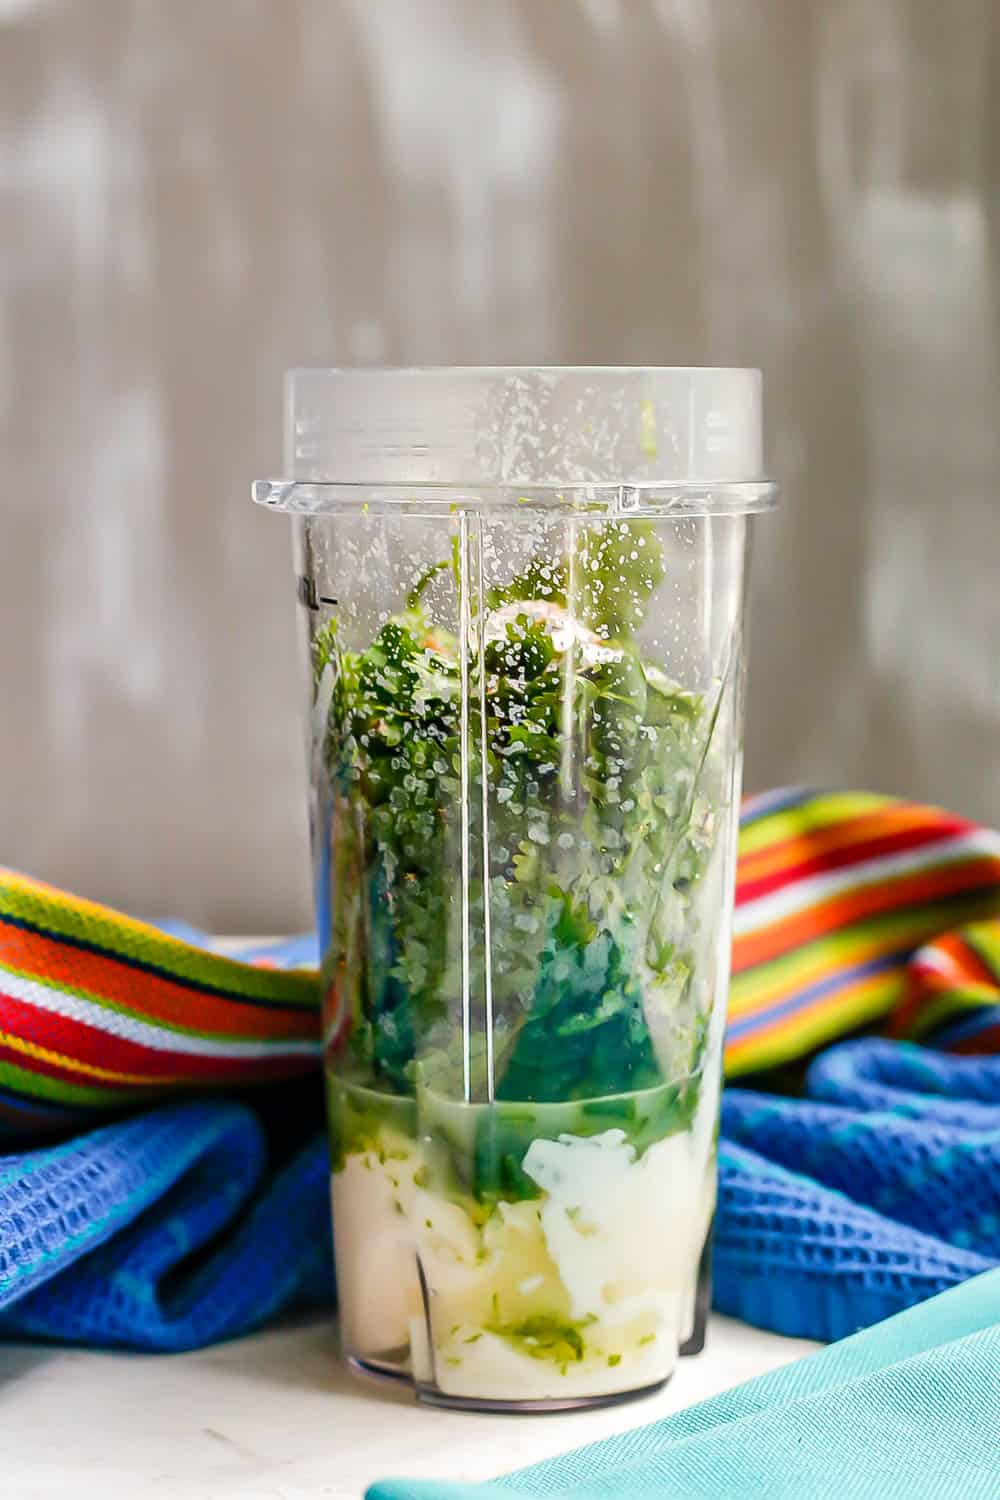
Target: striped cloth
[(842, 901), (99, 1012), (846, 909), (952, 991)]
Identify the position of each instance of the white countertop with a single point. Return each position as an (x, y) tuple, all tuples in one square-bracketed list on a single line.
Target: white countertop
[(276, 1417)]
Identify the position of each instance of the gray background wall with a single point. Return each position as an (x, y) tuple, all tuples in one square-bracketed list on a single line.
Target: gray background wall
[(194, 195)]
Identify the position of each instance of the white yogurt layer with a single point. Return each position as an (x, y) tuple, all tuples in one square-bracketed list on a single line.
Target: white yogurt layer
[(585, 1290), (378, 1287), (619, 1230)]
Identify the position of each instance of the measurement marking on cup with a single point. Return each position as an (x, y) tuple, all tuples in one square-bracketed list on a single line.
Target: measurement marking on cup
[(309, 597)]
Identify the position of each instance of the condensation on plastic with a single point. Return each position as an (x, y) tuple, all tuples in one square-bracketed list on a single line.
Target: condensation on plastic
[(523, 426)]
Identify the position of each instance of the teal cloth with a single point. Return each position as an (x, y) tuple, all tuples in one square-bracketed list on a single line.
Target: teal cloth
[(908, 1409)]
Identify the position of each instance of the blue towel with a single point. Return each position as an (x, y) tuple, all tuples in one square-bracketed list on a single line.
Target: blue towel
[(907, 1410), (163, 1232), (199, 1221), (879, 1188)]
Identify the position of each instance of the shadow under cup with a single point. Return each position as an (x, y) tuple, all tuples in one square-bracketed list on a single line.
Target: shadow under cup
[(523, 600)]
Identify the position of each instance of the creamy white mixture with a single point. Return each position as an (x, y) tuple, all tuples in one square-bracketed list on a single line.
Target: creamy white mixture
[(609, 1250)]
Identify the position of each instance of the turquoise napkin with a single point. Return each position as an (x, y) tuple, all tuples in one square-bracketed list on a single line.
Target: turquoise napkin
[(908, 1409)]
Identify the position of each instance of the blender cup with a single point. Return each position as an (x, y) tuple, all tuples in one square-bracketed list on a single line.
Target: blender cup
[(523, 599)]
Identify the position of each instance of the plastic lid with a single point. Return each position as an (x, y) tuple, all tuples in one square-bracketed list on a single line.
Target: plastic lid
[(523, 426)]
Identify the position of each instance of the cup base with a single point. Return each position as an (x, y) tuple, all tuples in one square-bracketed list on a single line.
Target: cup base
[(428, 1396), (373, 1369)]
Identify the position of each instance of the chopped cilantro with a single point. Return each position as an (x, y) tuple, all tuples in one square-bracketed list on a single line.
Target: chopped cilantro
[(596, 838)]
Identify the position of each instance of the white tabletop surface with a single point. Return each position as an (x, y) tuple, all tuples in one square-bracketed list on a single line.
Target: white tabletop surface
[(275, 1417)]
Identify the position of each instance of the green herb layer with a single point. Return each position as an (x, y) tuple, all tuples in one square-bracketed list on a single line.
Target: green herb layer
[(598, 831)]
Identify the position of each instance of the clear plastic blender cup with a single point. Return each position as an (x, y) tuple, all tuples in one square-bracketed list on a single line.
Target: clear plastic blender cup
[(523, 591)]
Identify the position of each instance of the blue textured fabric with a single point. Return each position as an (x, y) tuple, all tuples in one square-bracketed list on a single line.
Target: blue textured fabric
[(907, 1410), (878, 1189), (163, 1232)]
